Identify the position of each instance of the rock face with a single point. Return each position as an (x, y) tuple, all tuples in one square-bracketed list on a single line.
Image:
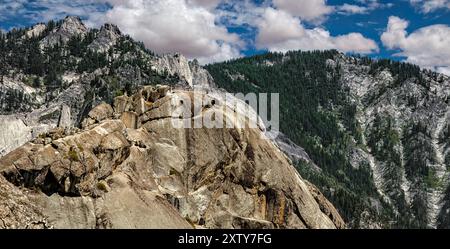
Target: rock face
[(21, 126), (414, 170), (15, 96), (65, 119), (130, 167), (295, 152), (13, 134), (17, 209), (71, 26), (36, 30), (108, 36), (191, 72)]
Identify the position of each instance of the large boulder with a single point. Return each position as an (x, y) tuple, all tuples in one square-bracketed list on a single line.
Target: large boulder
[(134, 169)]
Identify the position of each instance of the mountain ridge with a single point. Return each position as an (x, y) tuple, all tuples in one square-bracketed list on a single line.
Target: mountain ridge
[(65, 64), (377, 129)]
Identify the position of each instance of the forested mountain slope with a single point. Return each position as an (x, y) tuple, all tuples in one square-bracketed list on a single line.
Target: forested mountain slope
[(378, 130), (52, 75)]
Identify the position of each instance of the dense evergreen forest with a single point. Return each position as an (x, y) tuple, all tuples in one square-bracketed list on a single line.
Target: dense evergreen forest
[(44, 66), (317, 114)]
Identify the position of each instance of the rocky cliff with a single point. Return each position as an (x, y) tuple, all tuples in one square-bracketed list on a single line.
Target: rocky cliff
[(405, 125), (129, 167), (70, 27)]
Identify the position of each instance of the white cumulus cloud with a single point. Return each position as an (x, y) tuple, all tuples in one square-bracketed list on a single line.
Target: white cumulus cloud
[(427, 47), (11, 7), (363, 7), (209, 4), (280, 31), (348, 9), (308, 10), (427, 6), (189, 27), (169, 26)]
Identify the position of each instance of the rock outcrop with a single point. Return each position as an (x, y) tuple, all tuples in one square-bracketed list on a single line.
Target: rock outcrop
[(17, 210), (13, 133), (71, 26), (36, 30), (130, 167), (107, 37), (42, 105), (191, 72), (31, 120)]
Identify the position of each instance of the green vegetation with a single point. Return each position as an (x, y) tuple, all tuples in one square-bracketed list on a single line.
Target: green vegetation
[(126, 65), (384, 141), (432, 180), (316, 112), (80, 147), (103, 186), (73, 156), (118, 93), (314, 106), (48, 116)]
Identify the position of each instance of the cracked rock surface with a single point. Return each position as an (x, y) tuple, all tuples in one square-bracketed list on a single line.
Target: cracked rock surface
[(129, 167)]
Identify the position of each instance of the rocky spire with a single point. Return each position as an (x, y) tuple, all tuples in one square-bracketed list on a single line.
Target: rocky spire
[(36, 30), (108, 36), (191, 72), (70, 26)]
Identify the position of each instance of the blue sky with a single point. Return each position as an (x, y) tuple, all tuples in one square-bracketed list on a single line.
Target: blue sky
[(373, 24), (214, 30)]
